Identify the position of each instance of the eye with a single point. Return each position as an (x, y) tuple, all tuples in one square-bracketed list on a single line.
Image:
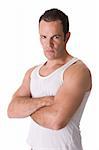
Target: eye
[(56, 37), (43, 37)]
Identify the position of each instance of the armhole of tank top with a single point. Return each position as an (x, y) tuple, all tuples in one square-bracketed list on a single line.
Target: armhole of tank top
[(33, 70), (36, 68), (65, 68)]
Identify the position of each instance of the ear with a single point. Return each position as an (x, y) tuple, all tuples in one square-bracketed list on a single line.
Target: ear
[(67, 36)]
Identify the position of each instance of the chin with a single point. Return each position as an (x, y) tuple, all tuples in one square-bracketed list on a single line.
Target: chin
[(49, 57)]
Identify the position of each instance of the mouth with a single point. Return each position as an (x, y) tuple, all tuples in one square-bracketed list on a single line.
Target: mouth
[(49, 51)]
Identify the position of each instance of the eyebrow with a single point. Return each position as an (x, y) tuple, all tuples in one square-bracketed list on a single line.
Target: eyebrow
[(53, 35), (57, 35)]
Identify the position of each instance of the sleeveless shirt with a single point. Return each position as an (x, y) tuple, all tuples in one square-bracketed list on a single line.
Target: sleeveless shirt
[(67, 138)]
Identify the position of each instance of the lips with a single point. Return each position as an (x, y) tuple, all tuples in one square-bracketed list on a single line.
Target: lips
[(49, 51)]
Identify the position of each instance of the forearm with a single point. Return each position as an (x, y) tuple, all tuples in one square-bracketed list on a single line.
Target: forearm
[(24, 106), (46, 116)]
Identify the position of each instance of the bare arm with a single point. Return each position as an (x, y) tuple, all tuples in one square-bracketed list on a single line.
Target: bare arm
[(22, 105), (77, 81)]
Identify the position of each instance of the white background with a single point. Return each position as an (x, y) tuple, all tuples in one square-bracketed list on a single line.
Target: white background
[(20, 49)]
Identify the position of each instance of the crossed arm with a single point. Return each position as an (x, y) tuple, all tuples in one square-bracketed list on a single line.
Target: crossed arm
[(22, 104), (52, 112)]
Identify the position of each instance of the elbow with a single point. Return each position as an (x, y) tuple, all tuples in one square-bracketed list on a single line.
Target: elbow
[(10, 112), (9, 115), (57, 125)]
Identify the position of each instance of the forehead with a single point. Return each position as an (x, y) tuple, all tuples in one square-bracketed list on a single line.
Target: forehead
[(52, 26)]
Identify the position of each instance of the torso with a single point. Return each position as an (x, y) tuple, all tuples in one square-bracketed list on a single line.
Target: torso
[(43, 86)]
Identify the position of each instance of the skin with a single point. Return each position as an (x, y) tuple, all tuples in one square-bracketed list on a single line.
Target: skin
[(53, 111)]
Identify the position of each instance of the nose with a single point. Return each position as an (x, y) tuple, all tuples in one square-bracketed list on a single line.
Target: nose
[(50, 43)]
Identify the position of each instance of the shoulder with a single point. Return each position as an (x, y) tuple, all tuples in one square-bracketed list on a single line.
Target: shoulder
[(79, 74), (28, 72)]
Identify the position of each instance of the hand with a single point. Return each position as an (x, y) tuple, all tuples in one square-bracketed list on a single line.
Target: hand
[(47, 101), (44, 102)]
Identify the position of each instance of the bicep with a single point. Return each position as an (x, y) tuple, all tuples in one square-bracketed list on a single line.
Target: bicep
[(68, 99)]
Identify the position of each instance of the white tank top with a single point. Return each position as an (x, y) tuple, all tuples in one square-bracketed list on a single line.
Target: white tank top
[(67, 138)]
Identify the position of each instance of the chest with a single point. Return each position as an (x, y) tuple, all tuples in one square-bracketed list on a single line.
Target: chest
[(45, 86)]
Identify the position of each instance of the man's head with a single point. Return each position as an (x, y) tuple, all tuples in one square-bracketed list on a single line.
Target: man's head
[(54, 33), (54, 15)]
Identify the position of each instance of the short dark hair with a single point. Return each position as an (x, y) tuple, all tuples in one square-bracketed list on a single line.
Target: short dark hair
[(56, 14)]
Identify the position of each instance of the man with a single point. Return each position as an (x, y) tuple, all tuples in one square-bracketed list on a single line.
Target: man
[(54, 93)]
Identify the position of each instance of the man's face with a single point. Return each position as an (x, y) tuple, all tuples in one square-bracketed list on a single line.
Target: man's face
[(52, 39)]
